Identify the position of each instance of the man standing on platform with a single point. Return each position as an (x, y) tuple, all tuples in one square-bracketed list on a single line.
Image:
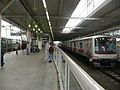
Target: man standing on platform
[(16, 47), (2, 54), (50, 51)]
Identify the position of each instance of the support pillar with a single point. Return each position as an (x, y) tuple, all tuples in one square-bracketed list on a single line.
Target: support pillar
[(37, 40), (0, 35), (28, 41), (39, 43)]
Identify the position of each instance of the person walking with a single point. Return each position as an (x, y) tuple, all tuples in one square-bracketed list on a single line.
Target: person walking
[(23, 46), (50, 52), (27, 48)]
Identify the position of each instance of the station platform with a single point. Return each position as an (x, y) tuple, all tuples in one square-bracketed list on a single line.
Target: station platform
[(28, 72)]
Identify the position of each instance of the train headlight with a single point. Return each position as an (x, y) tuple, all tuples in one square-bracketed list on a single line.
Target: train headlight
[(93, 58), (90, 59)]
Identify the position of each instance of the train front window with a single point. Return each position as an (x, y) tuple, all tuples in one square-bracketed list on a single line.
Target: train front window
[(105, 45)]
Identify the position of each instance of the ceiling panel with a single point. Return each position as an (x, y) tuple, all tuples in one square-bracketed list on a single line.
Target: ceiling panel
[(23, 12)]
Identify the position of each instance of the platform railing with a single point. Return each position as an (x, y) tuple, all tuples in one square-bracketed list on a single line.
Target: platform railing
[(118, 53), (71, 75)]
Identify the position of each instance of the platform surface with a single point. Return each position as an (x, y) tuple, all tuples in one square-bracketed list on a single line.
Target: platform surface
[(28, 72)]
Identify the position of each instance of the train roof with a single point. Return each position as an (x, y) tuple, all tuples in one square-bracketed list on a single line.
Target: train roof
[(95, 36)]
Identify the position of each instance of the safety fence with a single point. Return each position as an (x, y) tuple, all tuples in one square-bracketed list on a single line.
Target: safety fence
[(71, 75), (118, 53)]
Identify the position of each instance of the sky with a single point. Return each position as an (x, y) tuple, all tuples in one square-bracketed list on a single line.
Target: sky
[(83, 10), (6, 31)]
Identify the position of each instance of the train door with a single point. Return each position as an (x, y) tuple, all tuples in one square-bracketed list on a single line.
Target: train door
[(80, 47), (9, 45), (85, 47), (67, 45), (89, 46), (70, 45), (77, 45), (74, 46)]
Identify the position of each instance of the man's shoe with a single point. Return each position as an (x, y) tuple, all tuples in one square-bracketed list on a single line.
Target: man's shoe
[(2, 65), (50, 61)]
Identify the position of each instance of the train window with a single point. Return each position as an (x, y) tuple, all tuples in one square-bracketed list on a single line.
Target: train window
[(105, 45), (74, 44), (70, 44), (81, 45)]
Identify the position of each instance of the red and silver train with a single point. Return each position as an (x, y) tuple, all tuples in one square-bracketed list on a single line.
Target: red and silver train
[(100, 49)]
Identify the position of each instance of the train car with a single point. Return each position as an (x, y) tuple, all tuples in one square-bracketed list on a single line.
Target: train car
[(9, 44), (100, 49)]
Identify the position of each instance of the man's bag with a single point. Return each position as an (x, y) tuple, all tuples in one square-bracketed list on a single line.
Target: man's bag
[(51, 49)]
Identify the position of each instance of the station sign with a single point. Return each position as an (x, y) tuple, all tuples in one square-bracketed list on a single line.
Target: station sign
[(16, 34)]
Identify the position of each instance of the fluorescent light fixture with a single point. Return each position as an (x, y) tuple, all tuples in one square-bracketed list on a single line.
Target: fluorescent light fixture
[(44, 3), (47, 16), (46, 11), (49, 23), (82, 10), (51, 28)]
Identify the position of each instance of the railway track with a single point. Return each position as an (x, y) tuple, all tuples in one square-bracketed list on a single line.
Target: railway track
[(111, 74), (110, 82)]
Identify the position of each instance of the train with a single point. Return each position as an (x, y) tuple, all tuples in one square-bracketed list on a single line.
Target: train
[(99, 49), (9, 44)]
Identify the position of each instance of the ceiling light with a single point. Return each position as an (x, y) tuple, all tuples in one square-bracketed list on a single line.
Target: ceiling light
[(47, 15), (33, 29), (49, 23), (39, 29), (44, 3), (50, 28), (46, 10), (35, 25), (29, 25)]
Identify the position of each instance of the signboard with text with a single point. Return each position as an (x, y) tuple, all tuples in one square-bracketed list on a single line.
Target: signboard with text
[(15, 34)]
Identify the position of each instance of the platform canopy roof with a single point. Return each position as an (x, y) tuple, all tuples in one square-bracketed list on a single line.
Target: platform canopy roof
[(27, 13)]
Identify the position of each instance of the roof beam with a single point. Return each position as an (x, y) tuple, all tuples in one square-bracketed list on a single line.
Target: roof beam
[(60, 9), (68, 27), (57, 17), (28, 10), (6, 6), (86, 18), (106, 30)]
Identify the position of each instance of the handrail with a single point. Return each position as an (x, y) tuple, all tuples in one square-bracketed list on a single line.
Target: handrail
[(82, 77)]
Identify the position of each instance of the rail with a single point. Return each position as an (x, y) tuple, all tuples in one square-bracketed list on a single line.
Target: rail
[(71, 75)]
